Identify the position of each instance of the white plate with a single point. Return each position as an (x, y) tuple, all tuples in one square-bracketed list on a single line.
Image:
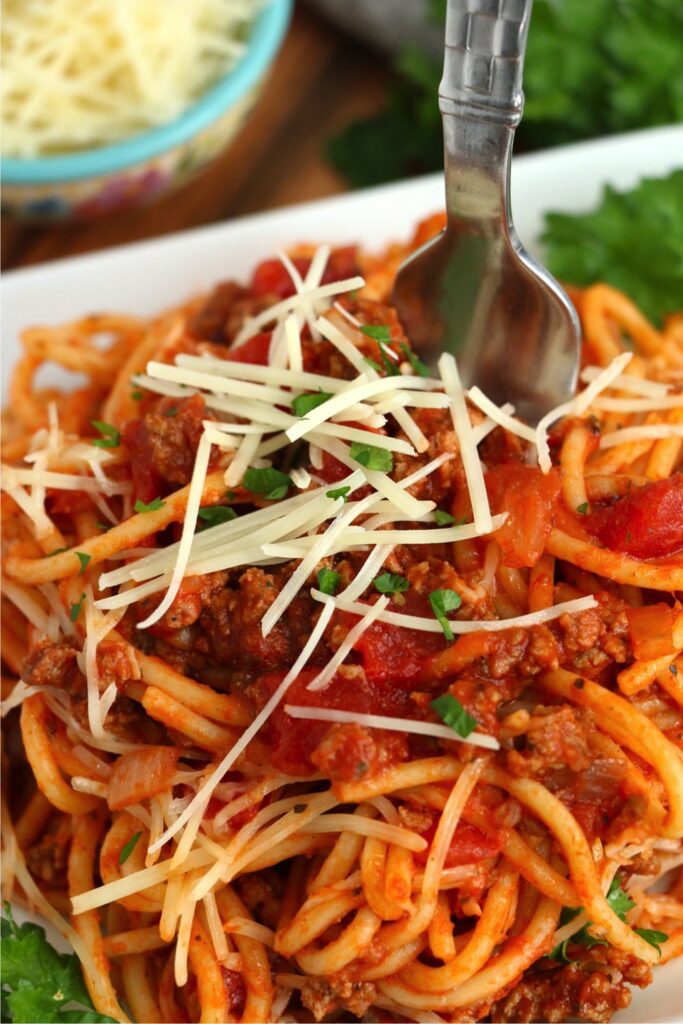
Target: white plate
[(145, 277)]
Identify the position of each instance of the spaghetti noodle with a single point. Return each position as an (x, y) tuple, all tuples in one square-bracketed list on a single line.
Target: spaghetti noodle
[(342, 689)]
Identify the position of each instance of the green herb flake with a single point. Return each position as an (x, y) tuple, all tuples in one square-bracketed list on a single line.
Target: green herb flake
[(137, 396), (38, 983), (655, 938), (618, 899), (153, 506), (391, 583), (328, 581), (443, 518), (75, 609), (453, 714), (129, 847), (110, 438), (103, 526), (673, 669), (582, 509), (378, 332), (374, 365), (419, 368), (303, 404), (172, 411), (57, 551), (83, 558), (338, 492), (214, 515), (371, 457), (443, 601), (270, 483)]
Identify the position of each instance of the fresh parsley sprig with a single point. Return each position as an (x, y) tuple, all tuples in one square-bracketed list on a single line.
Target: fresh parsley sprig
[(37, 982), (453, 714), (270, 483), (111, 438), (372, 457), (443, 601)]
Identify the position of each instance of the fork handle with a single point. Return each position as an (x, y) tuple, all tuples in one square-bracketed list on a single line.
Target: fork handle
[(484, 59)]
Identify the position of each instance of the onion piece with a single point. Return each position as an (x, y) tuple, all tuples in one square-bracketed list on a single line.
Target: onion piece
[(140, 774)]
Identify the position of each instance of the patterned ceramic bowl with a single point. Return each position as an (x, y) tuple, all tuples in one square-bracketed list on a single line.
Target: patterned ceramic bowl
[(95, 181)]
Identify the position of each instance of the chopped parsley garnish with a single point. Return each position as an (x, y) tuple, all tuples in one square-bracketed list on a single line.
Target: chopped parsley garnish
[(37, 982), (391, 583), (378, 332), (420, 368), (270, 483), (172, 411), (443, 518), (338, 492), (390, 367), (137, 396), (328, 581), (303, 404), (103, 526), (213, 515), (443, 601), (75, 609), (57, 551), (83, 558), (371, 362), (655, 938), (582, 509), (620, 902), (453, 714), (129, 847), (152, 506), (110, 438), (371, 457)]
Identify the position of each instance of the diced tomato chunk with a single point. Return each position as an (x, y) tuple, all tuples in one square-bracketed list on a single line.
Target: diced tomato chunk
[(397, 656), (468, 845), (272, 278), (254, 351), (647, 523), (147, 484), (293, 740), (651, 630), (529, 497)]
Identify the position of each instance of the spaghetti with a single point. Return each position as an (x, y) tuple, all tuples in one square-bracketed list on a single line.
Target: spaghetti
[(341, 688)]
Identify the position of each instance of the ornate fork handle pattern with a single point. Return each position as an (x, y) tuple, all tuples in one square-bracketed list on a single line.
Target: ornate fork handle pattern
[(485, 44)]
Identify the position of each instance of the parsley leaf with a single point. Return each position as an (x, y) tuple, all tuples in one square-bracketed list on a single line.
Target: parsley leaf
[(453, 714), (75, 609), (128, 847), (371, 362), (270, 483), (420, 368), (443, 518), (371, 457), (620, 902), (618, 899), (582, 509), (38, 983), (153, 506), (213, 515), (328, 581), (634, 241), (338, 492), (391, 583), (379, 332), (110, 438), (83, 558), (443, 601), (303, 404), (137, 396), (655, 938)]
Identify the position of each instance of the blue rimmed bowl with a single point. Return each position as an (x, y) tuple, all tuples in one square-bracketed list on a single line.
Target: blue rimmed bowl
[(90, 182)]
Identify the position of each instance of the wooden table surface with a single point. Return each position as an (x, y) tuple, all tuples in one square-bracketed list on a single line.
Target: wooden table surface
[(320, 81)]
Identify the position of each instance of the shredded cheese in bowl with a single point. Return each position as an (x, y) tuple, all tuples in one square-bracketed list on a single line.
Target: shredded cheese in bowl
[(80, 74)]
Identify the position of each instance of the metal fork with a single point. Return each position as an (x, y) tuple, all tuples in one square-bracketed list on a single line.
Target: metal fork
[(474, 290)]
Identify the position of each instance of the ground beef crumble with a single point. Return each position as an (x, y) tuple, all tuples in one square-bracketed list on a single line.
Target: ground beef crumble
[(583, 990)]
